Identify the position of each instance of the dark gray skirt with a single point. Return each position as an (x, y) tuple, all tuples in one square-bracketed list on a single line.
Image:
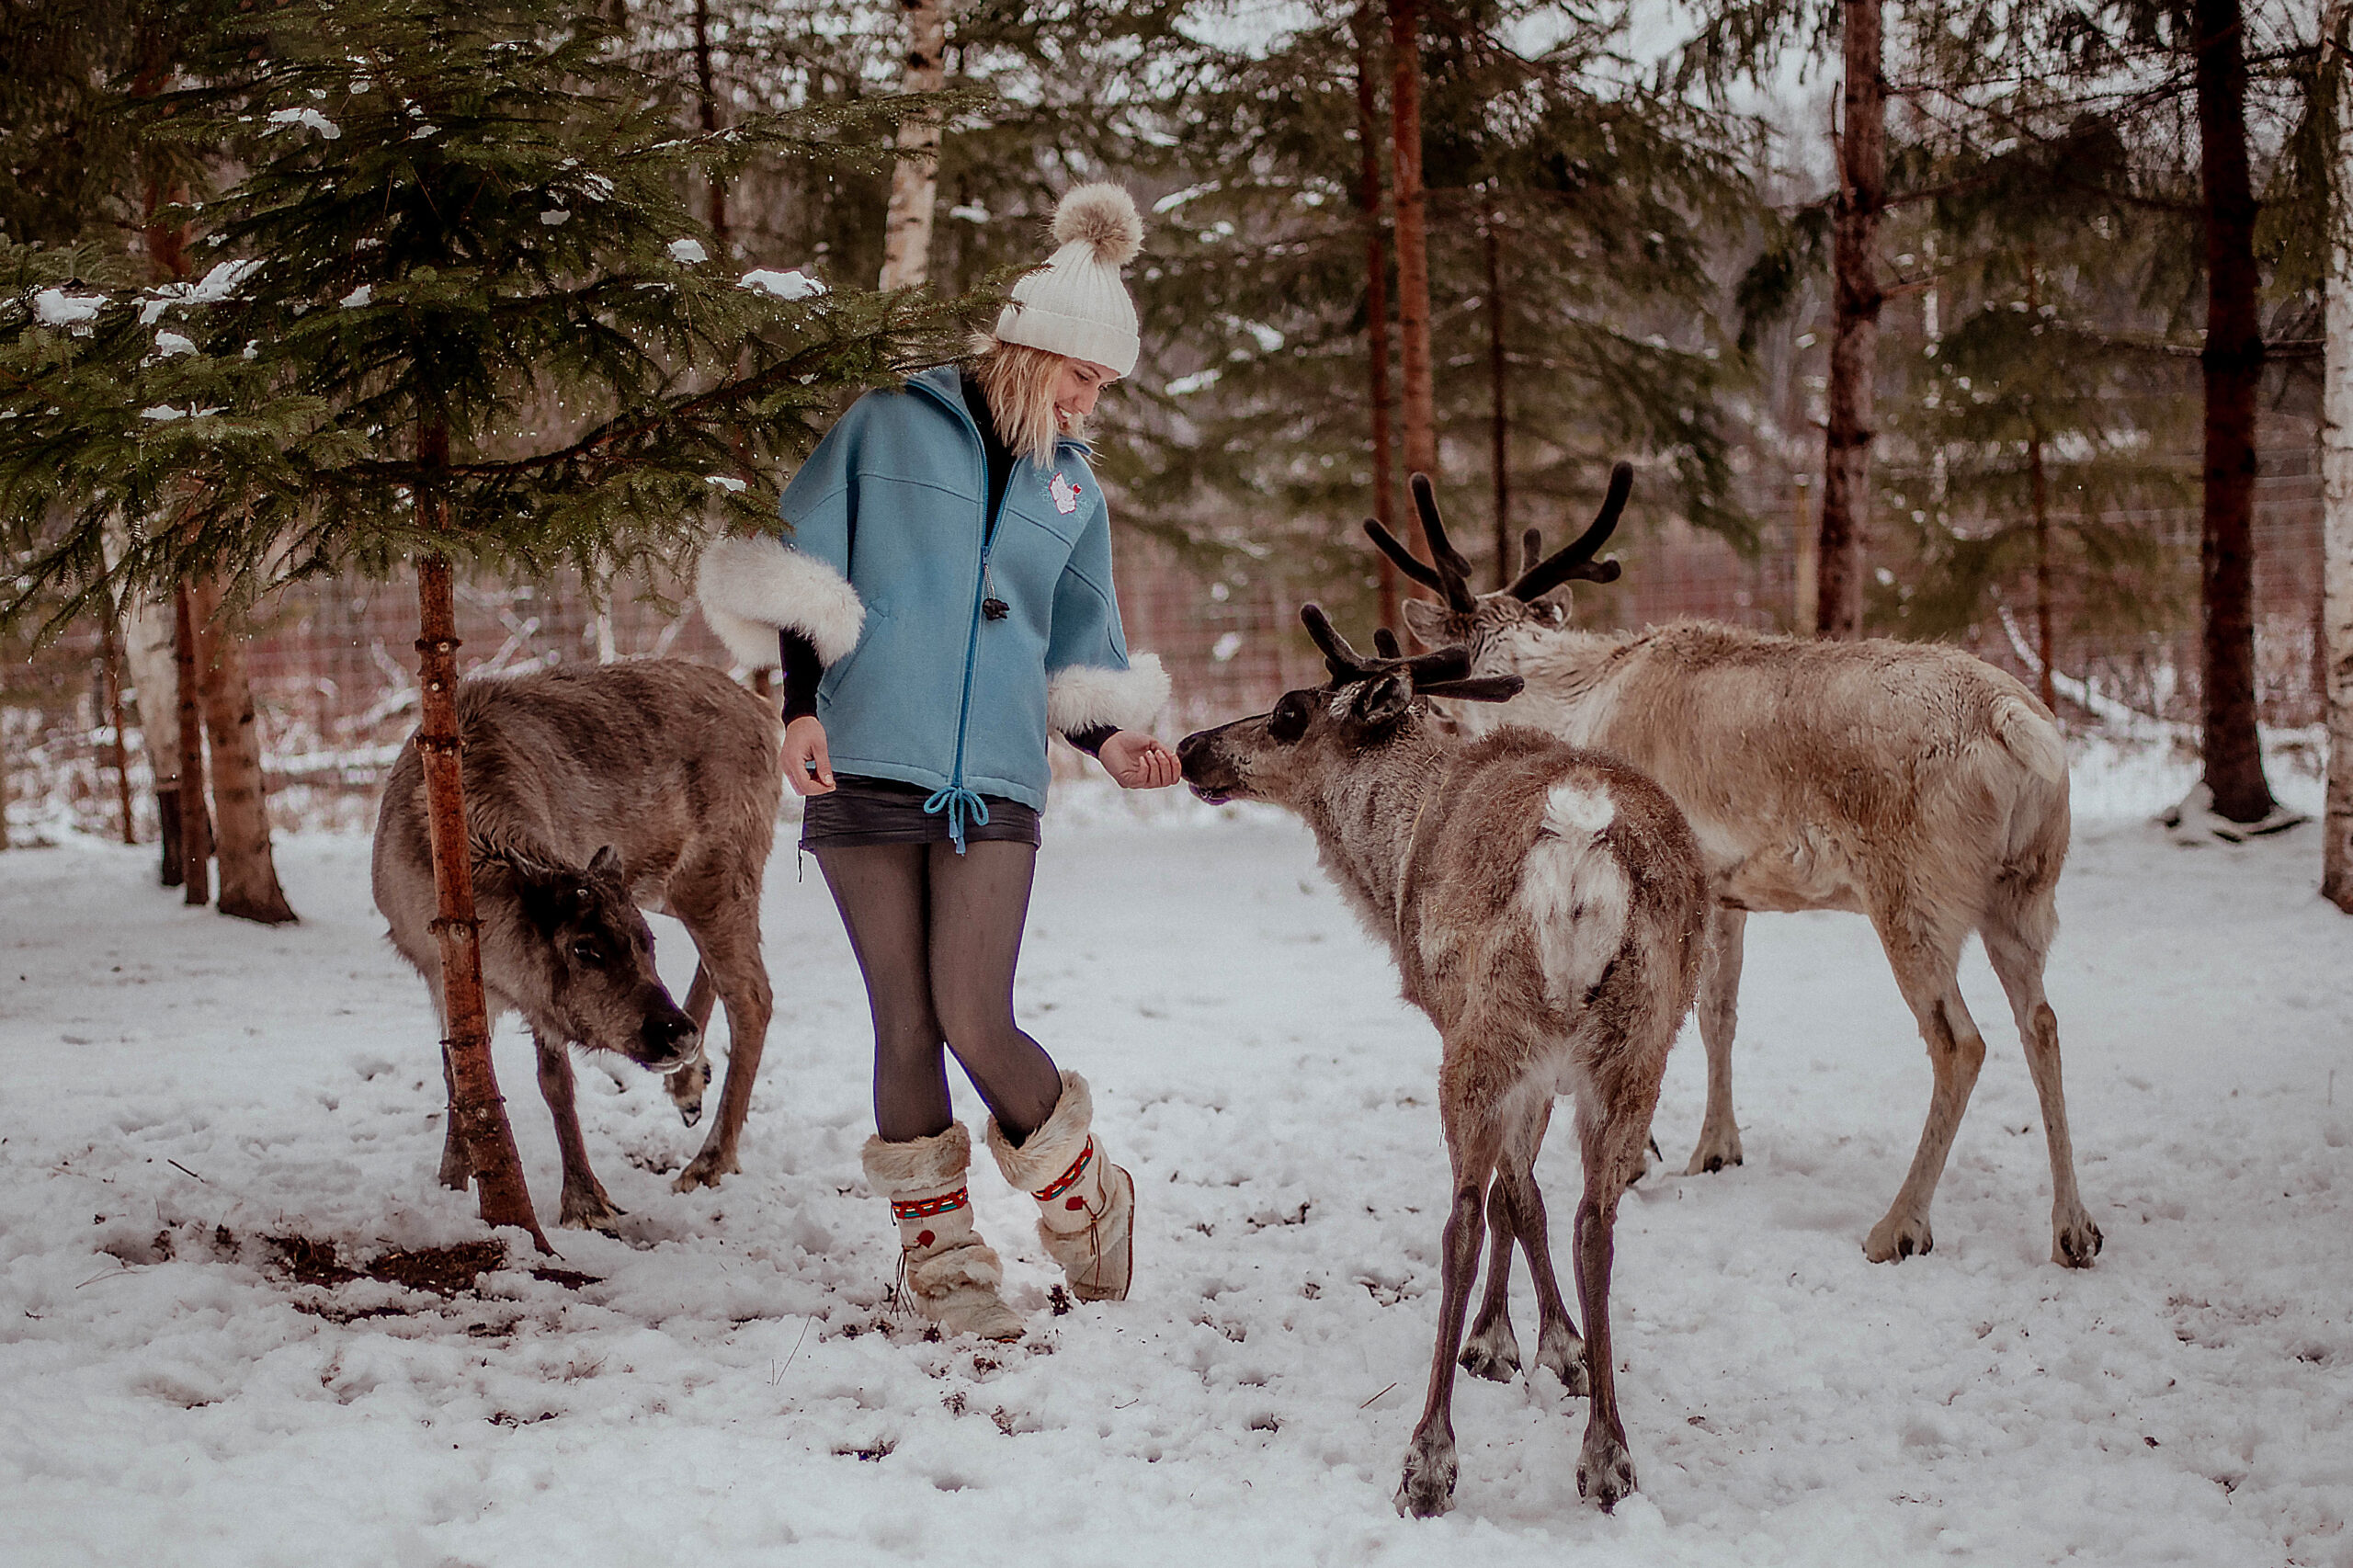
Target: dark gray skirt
[(863, 811)]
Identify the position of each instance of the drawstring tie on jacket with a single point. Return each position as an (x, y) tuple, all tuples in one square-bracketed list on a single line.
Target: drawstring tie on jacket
[(958, 803)]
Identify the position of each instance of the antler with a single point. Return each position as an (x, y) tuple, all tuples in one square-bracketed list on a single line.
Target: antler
[(1577, 561), (1445, 672), (1451, 573), (1346, 665)]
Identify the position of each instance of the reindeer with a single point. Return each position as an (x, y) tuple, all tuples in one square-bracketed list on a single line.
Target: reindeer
[(1544, 905), (589, 792), (1908, 782)]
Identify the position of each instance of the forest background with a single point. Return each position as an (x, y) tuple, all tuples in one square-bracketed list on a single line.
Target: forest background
[(1639, 222)]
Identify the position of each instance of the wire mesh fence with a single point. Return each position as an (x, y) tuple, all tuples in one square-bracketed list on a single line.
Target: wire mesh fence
[(332, 664)]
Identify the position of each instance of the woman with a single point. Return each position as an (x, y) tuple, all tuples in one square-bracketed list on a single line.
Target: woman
[(945, 599)]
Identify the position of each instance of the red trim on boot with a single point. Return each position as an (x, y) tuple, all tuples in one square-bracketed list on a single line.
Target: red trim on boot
[(1069, 1178)]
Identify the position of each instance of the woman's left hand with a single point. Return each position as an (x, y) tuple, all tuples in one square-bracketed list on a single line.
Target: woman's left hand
[(1138, 761)]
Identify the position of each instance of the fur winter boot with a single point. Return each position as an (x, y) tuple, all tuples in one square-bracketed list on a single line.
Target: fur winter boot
[(1086, 1205), (945, 1270)]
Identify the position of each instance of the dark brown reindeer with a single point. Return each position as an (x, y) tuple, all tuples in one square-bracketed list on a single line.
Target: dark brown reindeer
[(591, 791), (1908, 782), (1545, 908)]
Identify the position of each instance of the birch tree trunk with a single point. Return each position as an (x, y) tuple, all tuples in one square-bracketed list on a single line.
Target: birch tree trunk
[(915, 179), (111, 653), (2337, 478), (1413, 244), (1854, 334), (147, 634), (249, 886), (2232, 361), (1376, 300)]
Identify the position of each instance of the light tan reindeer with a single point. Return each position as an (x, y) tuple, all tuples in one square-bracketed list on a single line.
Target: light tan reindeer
[(1546, 907), (1907, 782)]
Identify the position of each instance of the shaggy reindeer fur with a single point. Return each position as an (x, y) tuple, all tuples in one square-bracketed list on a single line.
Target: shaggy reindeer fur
[(1907, 782), (1545, 907), (590, 791)]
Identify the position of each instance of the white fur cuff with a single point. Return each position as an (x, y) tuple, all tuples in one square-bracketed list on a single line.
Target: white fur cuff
[(1084, 695), (749, 588)]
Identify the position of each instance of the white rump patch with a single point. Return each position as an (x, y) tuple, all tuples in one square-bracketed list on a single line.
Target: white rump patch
[(1577, 811), (1575, 894)]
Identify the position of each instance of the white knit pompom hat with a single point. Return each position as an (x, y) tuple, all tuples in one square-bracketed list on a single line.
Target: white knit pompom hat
[(1076, 304)]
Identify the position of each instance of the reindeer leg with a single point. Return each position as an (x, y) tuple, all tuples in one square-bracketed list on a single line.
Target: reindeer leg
[(1718, 1009), (1492, 1349), (585, 1206), (1473, 1137), (730, 947), (1558, 1344), (1956, 1050), (1611, 1145), (686, 1085), (2074, 1239), (457, 1170)]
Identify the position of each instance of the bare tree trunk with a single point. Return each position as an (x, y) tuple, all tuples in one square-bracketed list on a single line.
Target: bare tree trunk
[(915, 179), (1491, 224), (476, 1105), (706, 87), (249, 886), (2234, 366), (110, 664), (2038, 489), (2337, 479), (1376, 300), (1413, 242), (1854, 334), (196, 828)]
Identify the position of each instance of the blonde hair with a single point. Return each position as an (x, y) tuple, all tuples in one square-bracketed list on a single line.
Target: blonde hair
[(1018, 383)]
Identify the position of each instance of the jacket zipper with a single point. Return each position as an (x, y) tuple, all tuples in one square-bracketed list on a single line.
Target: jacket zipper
[(957, 800)]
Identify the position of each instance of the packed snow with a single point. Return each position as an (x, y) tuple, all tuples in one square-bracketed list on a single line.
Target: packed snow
[(732, 1386)]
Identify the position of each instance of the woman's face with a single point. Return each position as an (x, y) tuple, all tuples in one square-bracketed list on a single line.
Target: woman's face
[(1076, 388)]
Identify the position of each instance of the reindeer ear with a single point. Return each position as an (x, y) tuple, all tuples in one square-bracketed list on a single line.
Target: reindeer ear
[(1383, 701), (605, 865), (1425, 620)]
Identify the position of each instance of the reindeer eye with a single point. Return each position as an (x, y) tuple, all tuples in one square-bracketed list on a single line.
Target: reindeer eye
[(1289, 721)]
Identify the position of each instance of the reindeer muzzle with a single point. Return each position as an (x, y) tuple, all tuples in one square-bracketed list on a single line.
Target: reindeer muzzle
[(1207, 772), (669, 1041)]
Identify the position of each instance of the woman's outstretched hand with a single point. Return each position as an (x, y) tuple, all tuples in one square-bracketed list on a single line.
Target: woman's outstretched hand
[(807, 766), (1138, 761)]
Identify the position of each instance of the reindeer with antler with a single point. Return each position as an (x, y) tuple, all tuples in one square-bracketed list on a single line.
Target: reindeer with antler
[(1905, 782), (1545, 907)]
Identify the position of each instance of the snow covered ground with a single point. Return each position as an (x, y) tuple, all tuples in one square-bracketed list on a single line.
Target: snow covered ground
[(731, 1387)]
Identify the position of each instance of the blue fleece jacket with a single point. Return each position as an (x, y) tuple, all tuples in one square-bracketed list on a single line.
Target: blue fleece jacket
[(933, 692)]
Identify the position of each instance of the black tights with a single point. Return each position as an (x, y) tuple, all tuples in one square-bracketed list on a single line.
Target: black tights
[(937, 936)]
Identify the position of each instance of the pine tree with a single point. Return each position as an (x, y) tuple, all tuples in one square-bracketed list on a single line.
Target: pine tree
[(454, 312)]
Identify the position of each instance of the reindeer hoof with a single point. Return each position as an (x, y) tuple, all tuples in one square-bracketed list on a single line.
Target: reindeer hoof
[(1562, 1353), (1493, 1355), (588, 1210), (1427, 1489), (2074, 1246), (1715, 1154), (1893, 1241), (690, 1113), (1605, 1472), (704, 1170)]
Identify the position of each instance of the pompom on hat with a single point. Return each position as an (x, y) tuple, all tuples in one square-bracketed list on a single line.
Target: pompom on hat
[(1076, 304)]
